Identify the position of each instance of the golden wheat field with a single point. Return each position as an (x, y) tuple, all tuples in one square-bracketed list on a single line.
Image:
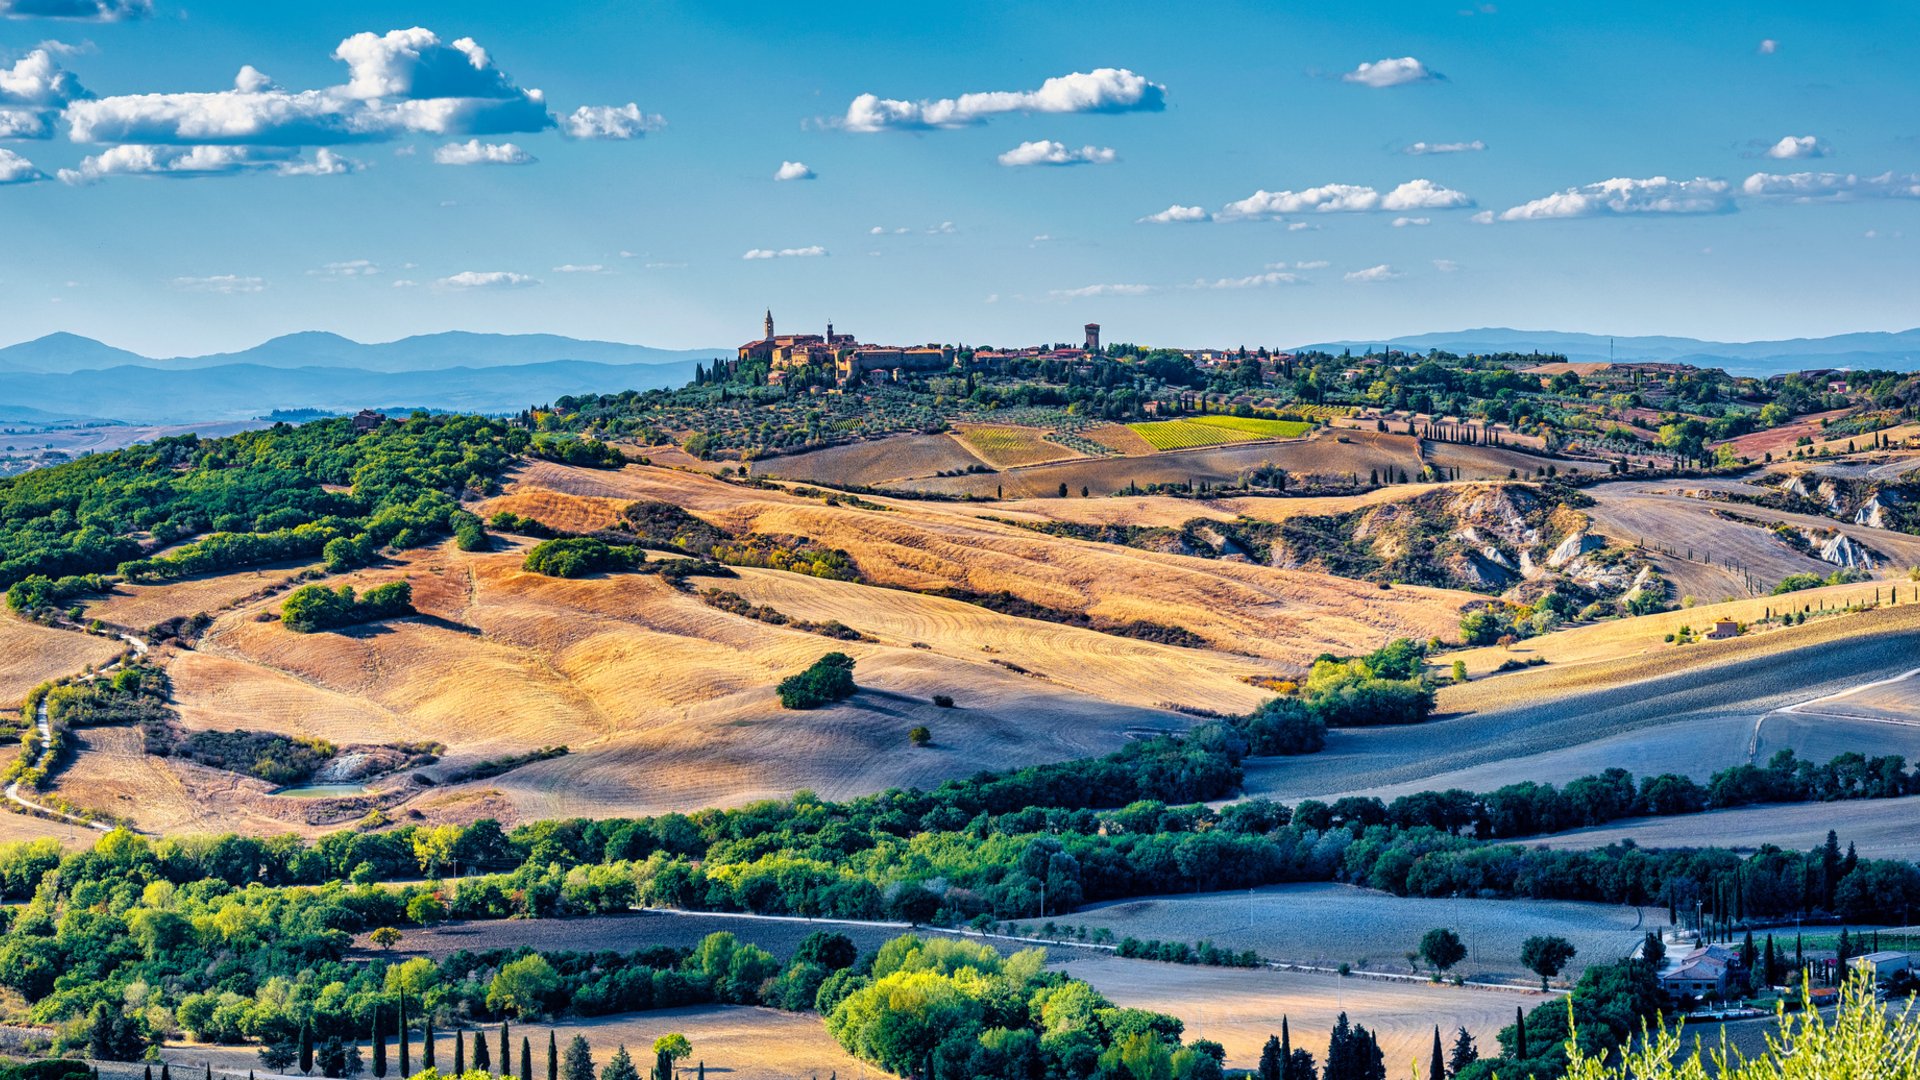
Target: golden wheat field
[(137, 607), (30, 654), (666, 702), (735, 1042)]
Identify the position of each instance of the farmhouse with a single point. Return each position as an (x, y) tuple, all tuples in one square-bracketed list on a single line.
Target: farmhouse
[(1723, 628), (1708, 971)]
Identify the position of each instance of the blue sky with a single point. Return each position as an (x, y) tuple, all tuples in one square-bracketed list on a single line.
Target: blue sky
[(317, 197)]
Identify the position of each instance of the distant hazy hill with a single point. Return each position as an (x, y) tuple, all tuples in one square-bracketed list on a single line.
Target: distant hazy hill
[(1898, 351), (68, 374)]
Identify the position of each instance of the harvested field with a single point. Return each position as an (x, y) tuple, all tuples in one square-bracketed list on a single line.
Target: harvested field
[(1008, 447), (15, 827), (1170, 510), (137, 607), (1342, 453), (1692, 713), (1778, 441), (30, 654), (1119, 438), (1879, 828), (735, 1041), (1496, 462), (1239, 1009), (1288, 616), (1325, 925), (874, 463)]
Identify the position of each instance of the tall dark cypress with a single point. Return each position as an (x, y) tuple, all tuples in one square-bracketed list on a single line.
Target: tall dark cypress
[(480, 1060), (406, 1049), (426, 1041), (553, 1056), (166, 1071), (306, 1049), (526, 1059), (1437, 1070), (1519, 1033), (459, 1053), (506, 1051), (379, 1046), (1286, 1051)]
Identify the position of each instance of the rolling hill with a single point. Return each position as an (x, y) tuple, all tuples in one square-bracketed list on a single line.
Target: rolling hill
[(1899, 351)]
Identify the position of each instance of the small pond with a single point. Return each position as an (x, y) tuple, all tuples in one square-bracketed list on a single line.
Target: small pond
[(323, 791)]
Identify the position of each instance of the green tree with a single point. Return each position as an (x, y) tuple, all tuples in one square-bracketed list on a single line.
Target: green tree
[(1545, 955), (1464, 1053), (579, 1060), (1441, 948), (620, 1067), (524, 988)]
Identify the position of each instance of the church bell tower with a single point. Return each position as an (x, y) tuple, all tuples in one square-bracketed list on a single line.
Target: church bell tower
[(769, 324)]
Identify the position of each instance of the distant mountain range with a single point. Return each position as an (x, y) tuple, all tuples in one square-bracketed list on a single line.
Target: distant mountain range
[(70, 375), (1898, 351)]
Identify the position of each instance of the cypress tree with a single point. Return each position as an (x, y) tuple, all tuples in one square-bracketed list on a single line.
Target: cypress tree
[(426, 1041), (406, 1050), (459, 1053), (553, 1056), (663, 1066), (1519, 1033), (506, 1051), (149, 1072), (1437, 1070), (306, 1049), (526, 1059), (480, 1059), (209, 1070), (1286, 1051), (379, 1046), (166, 1071)]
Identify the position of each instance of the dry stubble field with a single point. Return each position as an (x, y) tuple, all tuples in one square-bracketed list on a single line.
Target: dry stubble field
[(31, 654), (1240, 1008), (666, 703)]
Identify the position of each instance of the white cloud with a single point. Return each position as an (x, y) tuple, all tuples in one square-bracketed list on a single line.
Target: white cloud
[(487, 279), (1176, 213), (1621, 195), (405, 283), (1405, 222), (405, 81), (611, 122), (189, 161), (1255, 281), (349, 269), (1831, 187), (1101, 290), (1797, 146), (793, 170), (1300, 226), (24, 124), (37, 80), (1311, 264), (577, 268), (1047, 152), (1396, 71), (945, 228), (224, 284), (1768, 47), (1445, 266), (815, 251), (1484, 217), (1445, 147), (1344, 198), (475, 152), (1382, 272), (15, 169), (1103, 90), (77, 10)]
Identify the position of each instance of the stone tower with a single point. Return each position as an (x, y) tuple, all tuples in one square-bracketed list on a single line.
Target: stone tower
[(769, 324), (1093, 336)]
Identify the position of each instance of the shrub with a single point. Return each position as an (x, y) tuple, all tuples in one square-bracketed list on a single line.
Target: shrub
[(920, 736), (828, 680), (944, 701), (578, 556), (313, 608)]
